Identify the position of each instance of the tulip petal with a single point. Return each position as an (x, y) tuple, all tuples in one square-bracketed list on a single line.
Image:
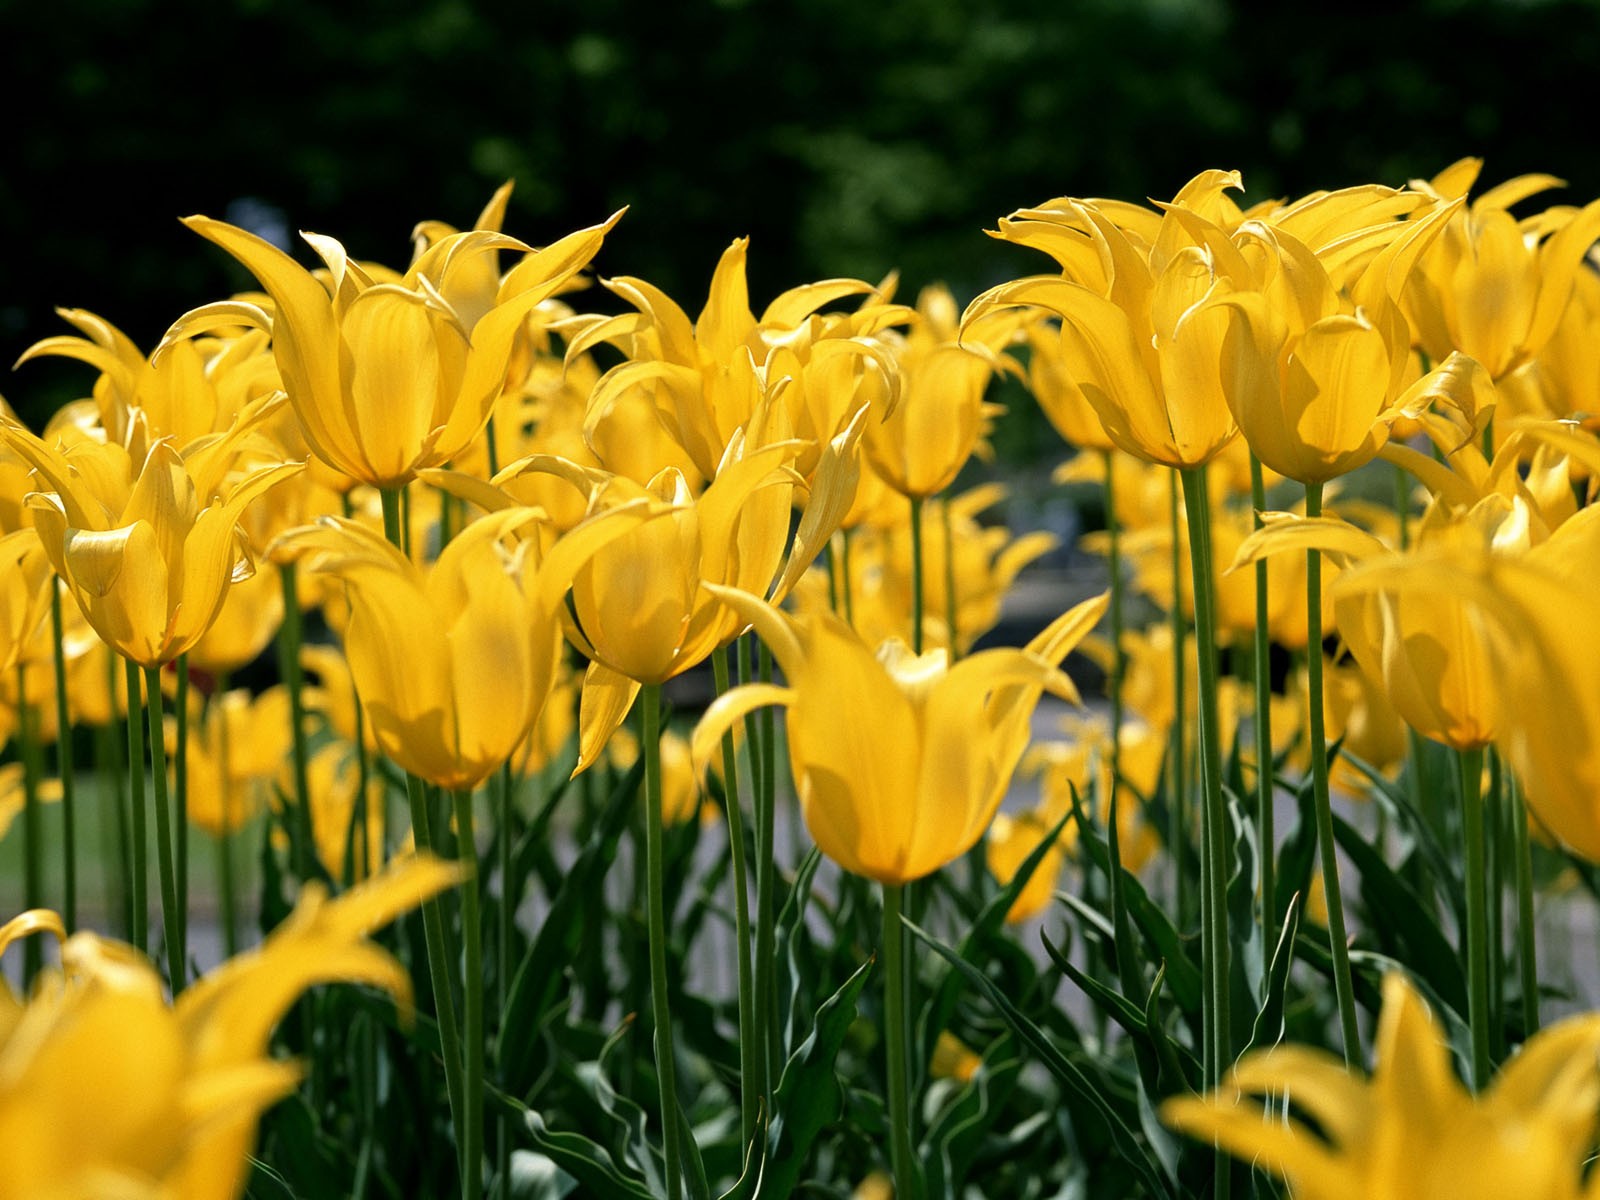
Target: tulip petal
[(603, 705)]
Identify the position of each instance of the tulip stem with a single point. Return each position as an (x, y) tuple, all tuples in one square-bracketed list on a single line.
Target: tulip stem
[(32, 826), (845, 537), (752, 1061), (180, 772), (1119, 662), (472, 1007), (108, 761), (895, 1020), (171, 926), (916, 574), (1344, 990), (289, 639), (655, 887), (140, 899), (1214, 945), (1262, 726), (439, 961), (1495, 845), (1527, 927), (65, 767), (1470, 764), (1178, 817), (225, 883), (502, 789), (952, 609)]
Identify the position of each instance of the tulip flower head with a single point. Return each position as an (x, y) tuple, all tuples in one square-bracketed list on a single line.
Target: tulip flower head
[(900, 760)]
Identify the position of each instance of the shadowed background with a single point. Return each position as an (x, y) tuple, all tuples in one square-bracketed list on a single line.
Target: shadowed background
[(844, 138)]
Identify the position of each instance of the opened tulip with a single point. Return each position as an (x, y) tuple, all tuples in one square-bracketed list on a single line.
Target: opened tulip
[(900, 761), (107, 1089), (453, 665), (146, 539), (1412, 1130), (390, 377)]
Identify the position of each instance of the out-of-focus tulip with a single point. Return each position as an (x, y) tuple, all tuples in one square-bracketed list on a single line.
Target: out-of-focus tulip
[(390, 377), (251, 613), (1412, 1129), (237, 753), (1012, 838), (335, 782), (900, 761), (146, 540), (25, 583), (1494, 287), (1359, 716), (680, 788), (107, 1089)]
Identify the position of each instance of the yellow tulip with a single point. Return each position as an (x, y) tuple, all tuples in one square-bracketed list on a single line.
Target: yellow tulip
[(1011, 840), (25, 583), (1051, 382), (1494, 287), (107, 1089), (146, 539), (680, 788), (388, 377), (1412, 1130), (1143, 323), (453, 665), (237, 752), (899, 761), (250, 615), (335, 780), (13, 793)]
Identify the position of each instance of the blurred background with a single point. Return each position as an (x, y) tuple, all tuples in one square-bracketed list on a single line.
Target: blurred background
[(845, 138)]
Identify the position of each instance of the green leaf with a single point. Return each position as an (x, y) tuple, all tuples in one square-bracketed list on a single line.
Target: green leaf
[(1134, 1153), (587, 1162), (1268, 1028), (808, 1095), (957, 1132), (538, 981)]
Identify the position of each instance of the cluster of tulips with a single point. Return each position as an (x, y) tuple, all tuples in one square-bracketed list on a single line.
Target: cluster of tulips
[(519, 520)]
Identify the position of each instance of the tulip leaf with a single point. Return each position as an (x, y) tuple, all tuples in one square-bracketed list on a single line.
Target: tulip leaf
[(586, 1161), (1135, 1154), (1400, 802), (536, 1176), (1268, 1028), (538, 981), (1179, 1067), (957, 1133), (1405, 925), (808, 1095)]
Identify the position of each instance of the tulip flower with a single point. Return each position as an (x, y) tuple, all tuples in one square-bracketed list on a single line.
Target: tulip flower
[(1411, 1129), (389, 377), (106, 1089), (453, 666), (900, 762), (1494, 287), (146, 540), (25, 583), (237, 752), (1011, 840)]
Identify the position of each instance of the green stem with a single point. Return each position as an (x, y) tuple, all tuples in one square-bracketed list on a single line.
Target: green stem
[(766, 954), (171, 926), (289, 639), (1119, 658), (180, 774), (833, 574), (655, 884), (139, 893), (846, 537), (114, 809), (1402, 505), (1262, 669), (32, 827), (225, 879), (65, 768), (1495, 848), (896, 1020), (916, 575), (1527, 927), (1343, 988), (752, 1062), (472, 1008), (1470, 765), (1214, 945), (1178, 818), (508, 917), (952, 610)]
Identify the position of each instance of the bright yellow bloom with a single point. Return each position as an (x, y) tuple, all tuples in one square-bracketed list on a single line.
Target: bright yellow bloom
[(1412, 1131), (953, 1059), (108, 1090), (1051, 382), (920, 444), (1143, 323), (900, 761), (680, 786), (25, 583), (1316, 377), (1358, 715), (334, 695), (13, 793), (1492, 286), (250, 615), (1011, 839), (146, 539), (334, 777), (393, 376), (453, 665)]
